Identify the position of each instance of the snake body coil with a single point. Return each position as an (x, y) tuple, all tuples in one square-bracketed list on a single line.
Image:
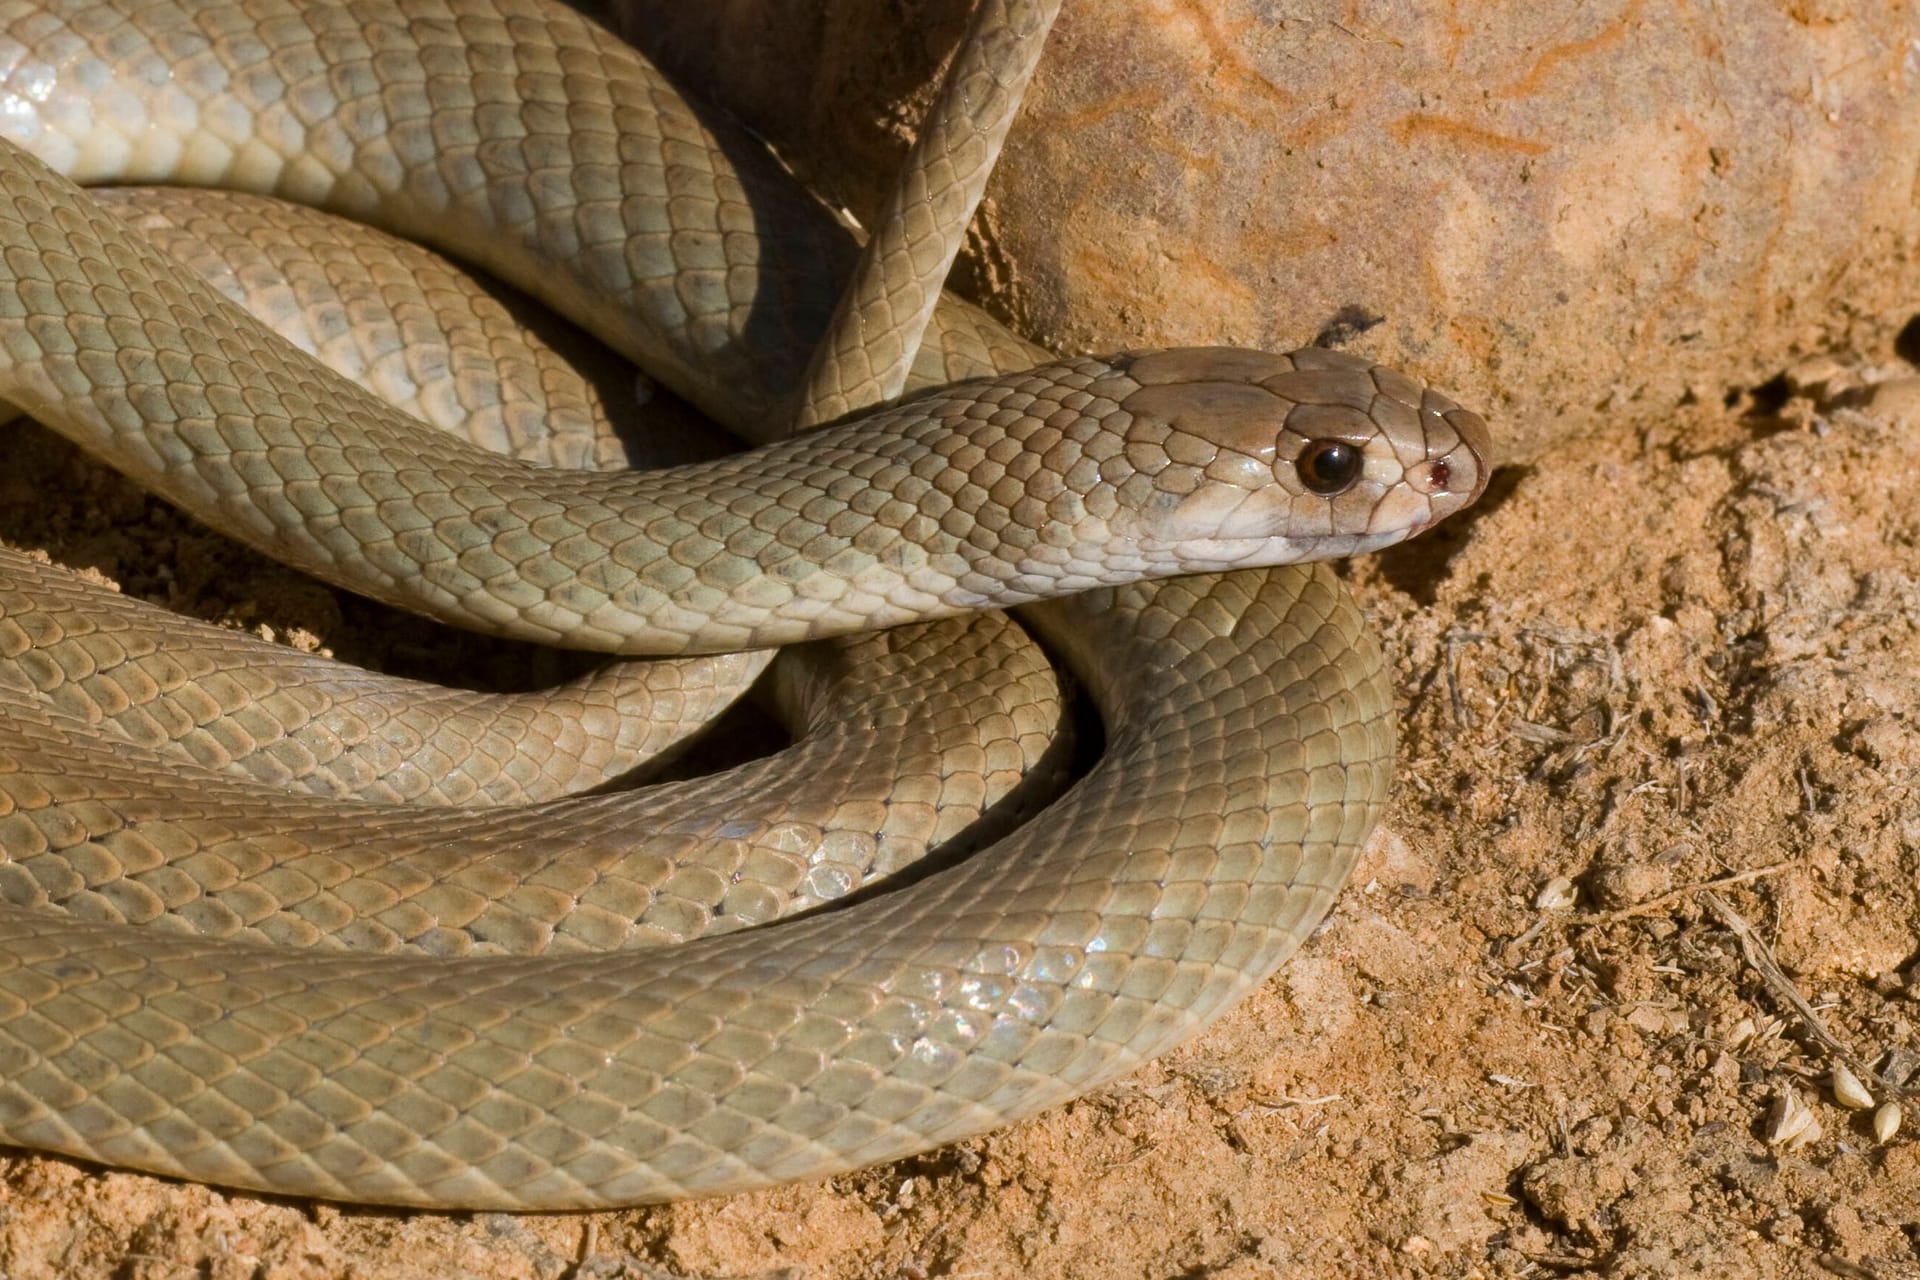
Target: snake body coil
[(1249, 720)]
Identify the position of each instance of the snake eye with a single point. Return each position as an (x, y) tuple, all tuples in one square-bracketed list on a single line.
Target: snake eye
[(1328, 467)]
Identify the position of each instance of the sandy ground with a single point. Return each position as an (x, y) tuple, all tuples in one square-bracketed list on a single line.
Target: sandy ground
[(1678, 655)]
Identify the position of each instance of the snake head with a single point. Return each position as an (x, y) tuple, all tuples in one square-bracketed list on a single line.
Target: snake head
[(1257, 459)]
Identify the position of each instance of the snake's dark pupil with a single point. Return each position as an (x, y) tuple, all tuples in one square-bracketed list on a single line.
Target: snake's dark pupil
[(1328, 467)]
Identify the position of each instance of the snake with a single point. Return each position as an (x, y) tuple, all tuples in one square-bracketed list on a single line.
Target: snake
[(1159, 519)]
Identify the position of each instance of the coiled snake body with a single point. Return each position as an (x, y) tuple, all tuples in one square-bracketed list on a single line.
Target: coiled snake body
[(1249, 728)]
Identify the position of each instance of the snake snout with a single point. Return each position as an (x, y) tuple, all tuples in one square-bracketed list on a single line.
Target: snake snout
[(1398, 455), (1297, 456), (1459, 456)]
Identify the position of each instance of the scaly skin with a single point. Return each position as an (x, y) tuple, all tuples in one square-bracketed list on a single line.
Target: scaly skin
[(906, 740), (1142, 465), (513, 134), (223, 700), (1249, 755), (1250, 722)]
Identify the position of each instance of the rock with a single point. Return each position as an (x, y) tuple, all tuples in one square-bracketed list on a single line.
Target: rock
[(1491, 198), (1628, 882), (1897, 399)]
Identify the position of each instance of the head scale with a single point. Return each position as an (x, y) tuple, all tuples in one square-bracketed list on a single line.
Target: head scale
[(1260, 459)]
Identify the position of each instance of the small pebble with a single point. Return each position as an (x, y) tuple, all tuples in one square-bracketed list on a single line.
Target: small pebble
[(1810, 374), (1886, 1122), (1848, 1091), (1627, 884), (1557, 894), (1898, 399)]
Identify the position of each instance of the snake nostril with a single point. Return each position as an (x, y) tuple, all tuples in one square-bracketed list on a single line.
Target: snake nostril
[(1439, 476)]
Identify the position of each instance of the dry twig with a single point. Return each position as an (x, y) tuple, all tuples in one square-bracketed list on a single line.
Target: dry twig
[(1760, 958)]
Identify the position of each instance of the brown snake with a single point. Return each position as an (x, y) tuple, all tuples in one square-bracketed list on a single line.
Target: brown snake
[(1249, 725)]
